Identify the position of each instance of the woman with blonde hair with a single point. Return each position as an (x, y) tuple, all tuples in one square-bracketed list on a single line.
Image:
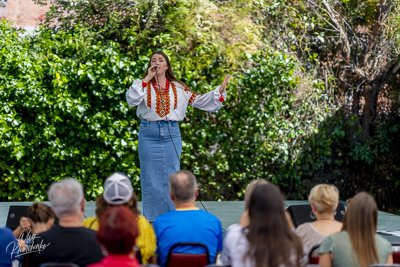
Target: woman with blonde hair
[(324, 199), (357, 244)]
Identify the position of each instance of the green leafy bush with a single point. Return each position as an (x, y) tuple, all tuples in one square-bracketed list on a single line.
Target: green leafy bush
[(263, 132), (64, 112), (66, 116)]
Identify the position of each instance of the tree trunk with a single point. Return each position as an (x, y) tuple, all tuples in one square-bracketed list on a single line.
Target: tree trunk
[(356, 102), (369, 111)]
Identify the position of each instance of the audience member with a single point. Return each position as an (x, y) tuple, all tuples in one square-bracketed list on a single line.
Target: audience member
[(244, 219), (69, 241), (118, 190), (7, 244), (249, 189), (324, 199), (23, 227), (186, 223), (41, 217), (117, 234), (268, 240), (357, 244)]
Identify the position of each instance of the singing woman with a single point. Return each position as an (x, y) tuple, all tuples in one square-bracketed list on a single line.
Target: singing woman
[(161, 102)]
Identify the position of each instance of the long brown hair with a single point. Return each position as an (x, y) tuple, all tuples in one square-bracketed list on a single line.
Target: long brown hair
[(168, 74), (360, 221), (102, 205), (271, 242)]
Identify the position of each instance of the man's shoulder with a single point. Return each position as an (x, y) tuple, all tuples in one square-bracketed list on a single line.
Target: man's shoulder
[(58, 231), (6, 235), (179, 216), (5, 231), (205, 214), (186, 212)]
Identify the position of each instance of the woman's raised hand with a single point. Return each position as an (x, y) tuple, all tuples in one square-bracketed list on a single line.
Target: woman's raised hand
[(151, 72), (222, 89)]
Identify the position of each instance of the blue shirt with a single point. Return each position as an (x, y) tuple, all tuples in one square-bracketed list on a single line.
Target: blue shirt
[(187, 225), (8, 242)]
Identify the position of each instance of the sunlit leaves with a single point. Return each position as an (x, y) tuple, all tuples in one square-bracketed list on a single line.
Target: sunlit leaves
[(64, 113)]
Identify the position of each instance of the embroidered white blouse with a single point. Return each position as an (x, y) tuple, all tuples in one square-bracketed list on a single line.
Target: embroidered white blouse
[(176, 100)]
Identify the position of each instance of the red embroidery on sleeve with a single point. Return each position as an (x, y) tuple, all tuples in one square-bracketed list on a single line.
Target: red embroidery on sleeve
[(191, 99)]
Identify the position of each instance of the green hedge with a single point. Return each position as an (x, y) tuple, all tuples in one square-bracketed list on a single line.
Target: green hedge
[(65, 114)]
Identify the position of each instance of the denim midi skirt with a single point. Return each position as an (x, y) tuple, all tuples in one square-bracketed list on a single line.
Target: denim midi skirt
[(158, 160)]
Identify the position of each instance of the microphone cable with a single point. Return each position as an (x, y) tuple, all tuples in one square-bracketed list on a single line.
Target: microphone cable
[(166, 116)]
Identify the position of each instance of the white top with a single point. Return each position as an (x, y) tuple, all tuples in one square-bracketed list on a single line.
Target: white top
[(150, 107), (236, 246)]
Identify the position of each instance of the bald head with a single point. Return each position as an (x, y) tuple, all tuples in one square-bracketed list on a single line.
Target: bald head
[(182, 186)]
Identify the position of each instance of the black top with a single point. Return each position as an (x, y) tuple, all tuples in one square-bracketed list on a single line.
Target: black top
[(62, 244)]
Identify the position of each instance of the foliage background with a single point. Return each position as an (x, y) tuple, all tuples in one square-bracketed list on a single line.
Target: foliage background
[(287, 118)]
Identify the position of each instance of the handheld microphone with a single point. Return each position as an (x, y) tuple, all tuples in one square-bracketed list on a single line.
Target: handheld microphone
[(156, 68)]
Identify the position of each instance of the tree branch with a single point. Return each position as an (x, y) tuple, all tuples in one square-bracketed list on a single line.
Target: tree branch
[(343, 36)]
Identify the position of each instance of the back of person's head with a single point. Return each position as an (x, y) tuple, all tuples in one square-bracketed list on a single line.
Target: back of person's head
[(40, 213), (271, 242), (182, 186), (360, 221), (325, 198), (249, 189), (66, 197), (118, 190), (118, 230)]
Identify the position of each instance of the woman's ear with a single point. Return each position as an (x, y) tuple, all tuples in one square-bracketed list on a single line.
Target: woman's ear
[(313, 208)]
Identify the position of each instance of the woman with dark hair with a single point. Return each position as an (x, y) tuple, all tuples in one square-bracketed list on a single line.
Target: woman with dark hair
[(161, 102), (117, 234), (41, 217), (268, 240), (357, 244)]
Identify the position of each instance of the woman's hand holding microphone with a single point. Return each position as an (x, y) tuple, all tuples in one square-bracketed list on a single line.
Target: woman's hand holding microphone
[(151, 72)]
